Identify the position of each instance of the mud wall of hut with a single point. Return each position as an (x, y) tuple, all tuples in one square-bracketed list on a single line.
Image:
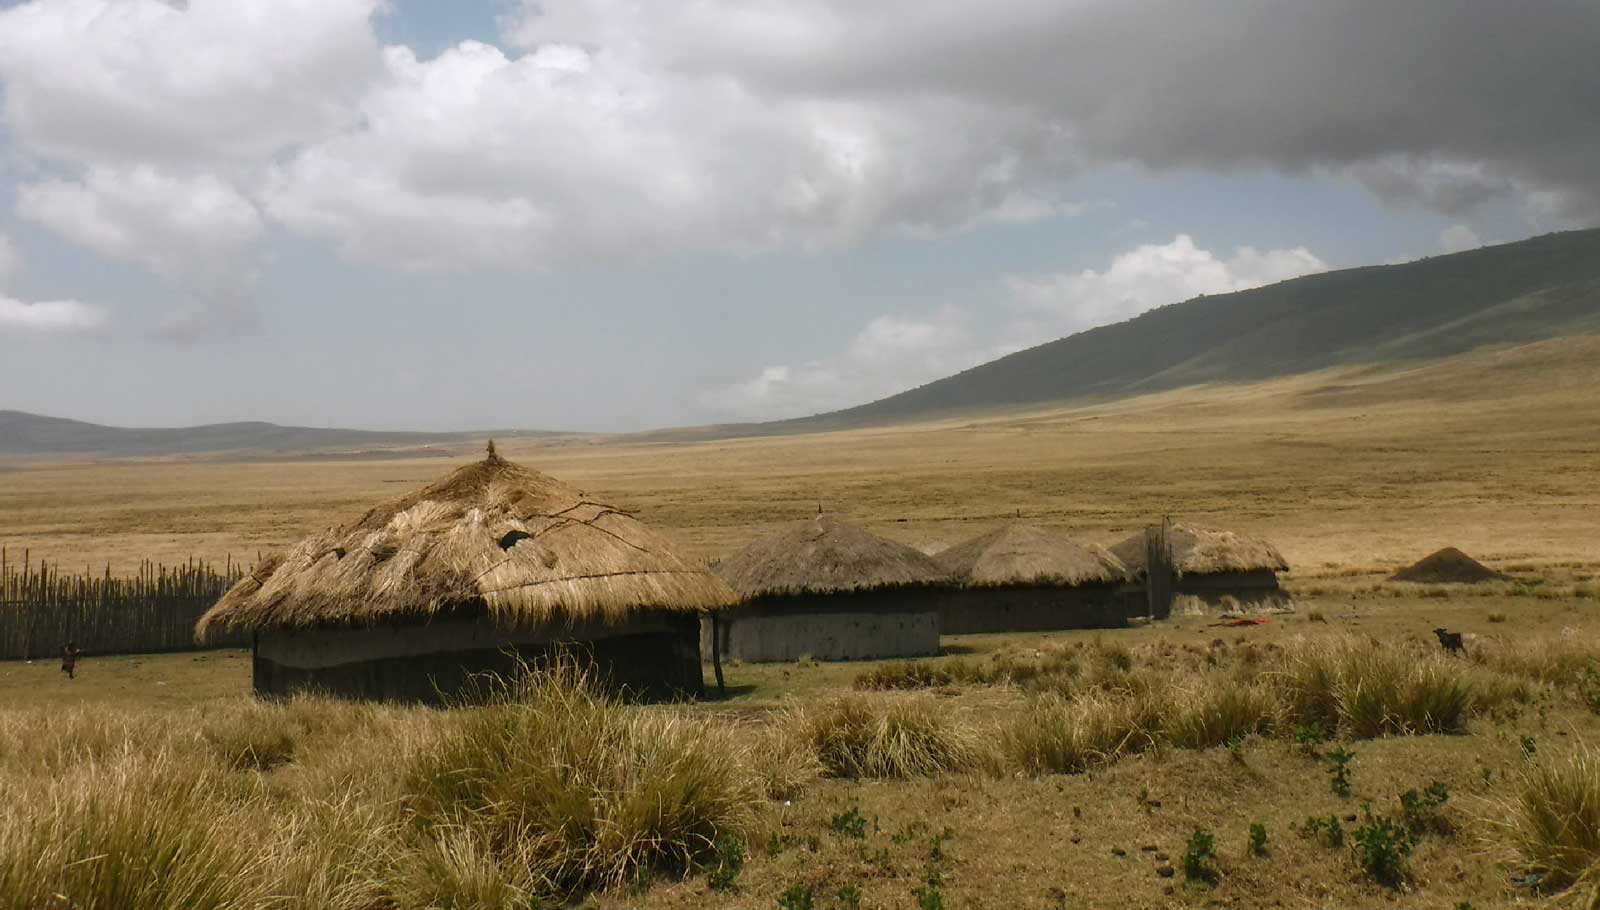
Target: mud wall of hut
[(1035, 608), (653, 653), (1253, 588), (850, 626)]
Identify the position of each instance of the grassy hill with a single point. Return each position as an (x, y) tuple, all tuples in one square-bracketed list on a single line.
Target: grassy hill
[(27, 434), (1539, 288)]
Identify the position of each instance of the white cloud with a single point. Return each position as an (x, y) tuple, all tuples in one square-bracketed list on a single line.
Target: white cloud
[(894, 353), (124, 81), (1458, 238), (51, 316), (1153, 275), (891, 353), (178, 226)]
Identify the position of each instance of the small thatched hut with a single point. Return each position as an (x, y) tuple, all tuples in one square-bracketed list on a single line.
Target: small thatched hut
[(488, 566), (830, 590), (1211, 565), (1019, 578)]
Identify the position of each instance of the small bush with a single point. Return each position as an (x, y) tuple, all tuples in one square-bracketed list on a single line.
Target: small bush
[(1382, 846), (1339, 770), (1326, 831), (797, 896), (727, 860), (1424, 809), (1197, 859), (1258, 839), (849, 823), (1497, 617)]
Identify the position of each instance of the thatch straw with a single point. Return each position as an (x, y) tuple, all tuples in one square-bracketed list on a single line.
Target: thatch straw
[(822, 556), (1205, 551), (527, 547), (1021, 554)]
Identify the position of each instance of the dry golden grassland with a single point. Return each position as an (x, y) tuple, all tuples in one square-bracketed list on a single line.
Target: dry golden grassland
[(1037, 771)]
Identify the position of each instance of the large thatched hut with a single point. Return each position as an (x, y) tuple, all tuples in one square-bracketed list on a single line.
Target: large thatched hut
[(830, 590), (490, 565), (1213, 566), (1020, 578)]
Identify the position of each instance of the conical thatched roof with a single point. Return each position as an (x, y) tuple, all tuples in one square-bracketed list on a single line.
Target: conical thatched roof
[(1447, 566), (525, 545), (1021, 554), (1205, 551), (822, 556)]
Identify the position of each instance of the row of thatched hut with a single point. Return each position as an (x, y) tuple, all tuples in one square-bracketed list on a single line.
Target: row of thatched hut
[(496, 564)]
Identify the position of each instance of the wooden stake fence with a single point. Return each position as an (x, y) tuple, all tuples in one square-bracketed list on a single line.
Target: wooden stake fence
[(41, 609)]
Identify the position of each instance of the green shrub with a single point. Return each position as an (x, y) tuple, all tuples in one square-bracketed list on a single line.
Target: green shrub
[(797, 896), (1339, 770), (1326, 831), (1423, 809), (727, 860), (849, 823), (1197, 859), (1382, 846), (1258, 839)]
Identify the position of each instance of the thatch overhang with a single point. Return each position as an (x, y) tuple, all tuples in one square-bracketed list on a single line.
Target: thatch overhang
[(1204, 551), (823, 556), (1022, 554), (519, 545)]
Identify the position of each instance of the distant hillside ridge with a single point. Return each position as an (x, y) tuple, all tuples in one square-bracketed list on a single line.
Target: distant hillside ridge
[(22, 433), (1532, 289)]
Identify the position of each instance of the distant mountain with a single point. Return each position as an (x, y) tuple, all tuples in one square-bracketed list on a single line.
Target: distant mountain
[(22, 433), (1540, 288)]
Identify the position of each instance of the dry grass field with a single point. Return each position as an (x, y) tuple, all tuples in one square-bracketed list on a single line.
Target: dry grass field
[(1058, 770)]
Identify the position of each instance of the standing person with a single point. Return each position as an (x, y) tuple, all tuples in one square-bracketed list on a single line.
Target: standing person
[(69, 658)]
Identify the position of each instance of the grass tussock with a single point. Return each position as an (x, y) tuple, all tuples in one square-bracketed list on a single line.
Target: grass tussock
[(1218, 711), (858, 736), (139, 832), (1060, 735), (578, 790), (1554, 821)]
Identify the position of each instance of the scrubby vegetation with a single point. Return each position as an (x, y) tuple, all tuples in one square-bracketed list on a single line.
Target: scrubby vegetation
[(556, 790)]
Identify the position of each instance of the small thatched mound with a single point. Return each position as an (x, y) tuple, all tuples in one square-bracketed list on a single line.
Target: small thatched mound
[(1204, 551), (525, 546), (1020, 554), (822, 556), (1447, 567)]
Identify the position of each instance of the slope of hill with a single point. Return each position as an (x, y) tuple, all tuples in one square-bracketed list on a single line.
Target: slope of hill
[(22, 433), (1539, 288)]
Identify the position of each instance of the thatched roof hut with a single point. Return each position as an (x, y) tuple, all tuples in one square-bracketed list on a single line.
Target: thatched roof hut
[(494, 556), (1205, 551), (823, 556), (829, 590), (1214, 566), (1022, 554), (1021, 578)]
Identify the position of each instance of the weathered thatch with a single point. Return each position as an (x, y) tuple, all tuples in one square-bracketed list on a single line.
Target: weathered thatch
[(822, 556), (526, 547), (1204, 551), (1447, 567), (1021, 554)]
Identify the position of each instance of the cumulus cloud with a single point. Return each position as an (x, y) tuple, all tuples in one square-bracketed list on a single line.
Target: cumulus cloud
[(51, 316), (897, 352), (174, 225), (1458, 238), (888, 355), (612, 128), (1152, 275)]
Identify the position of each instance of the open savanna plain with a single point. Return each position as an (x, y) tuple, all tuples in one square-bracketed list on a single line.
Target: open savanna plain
[(1118, 768)]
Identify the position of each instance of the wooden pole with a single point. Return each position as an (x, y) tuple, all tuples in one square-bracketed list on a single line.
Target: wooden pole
[(716, 655)]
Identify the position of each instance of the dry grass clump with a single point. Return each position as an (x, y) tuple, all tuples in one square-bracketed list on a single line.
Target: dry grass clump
[(1369, 689), (1060, 735), (905, 674), (1218, 710), (858, 736), (578, 790), (140, 832), (1563, 659), (1554, 821)]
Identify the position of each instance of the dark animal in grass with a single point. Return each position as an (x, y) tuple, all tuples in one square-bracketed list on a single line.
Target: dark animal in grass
[(1450, 641)]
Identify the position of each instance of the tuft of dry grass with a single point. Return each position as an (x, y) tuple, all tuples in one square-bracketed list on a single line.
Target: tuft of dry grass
[(859, 736), (1217, 710), (1554, 820), (1059, 735)]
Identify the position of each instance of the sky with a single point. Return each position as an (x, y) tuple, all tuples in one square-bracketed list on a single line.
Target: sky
[(624, 214)]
